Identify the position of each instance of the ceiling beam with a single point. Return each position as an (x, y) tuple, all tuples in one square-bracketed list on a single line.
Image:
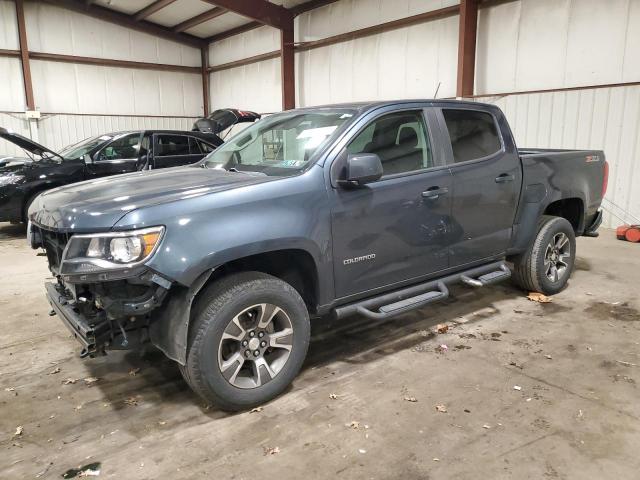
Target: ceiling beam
[(198, 19), (151, 9), (124, 20), (310, 5), (233, 31), (262, 11), (297, 10)]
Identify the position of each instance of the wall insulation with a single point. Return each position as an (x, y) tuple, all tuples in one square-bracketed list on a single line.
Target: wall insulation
[(118, 98)]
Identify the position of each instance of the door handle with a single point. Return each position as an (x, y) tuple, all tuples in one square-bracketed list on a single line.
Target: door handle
[(434, 192), (504, 178)]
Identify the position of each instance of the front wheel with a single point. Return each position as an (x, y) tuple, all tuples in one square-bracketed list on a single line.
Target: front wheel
[(248, 341), (547, 265)]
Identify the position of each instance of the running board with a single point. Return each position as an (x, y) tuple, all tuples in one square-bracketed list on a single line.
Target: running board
[(392, 304), (488, 278)]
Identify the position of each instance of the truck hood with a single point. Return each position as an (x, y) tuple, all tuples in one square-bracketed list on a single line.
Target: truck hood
[(97, 205)]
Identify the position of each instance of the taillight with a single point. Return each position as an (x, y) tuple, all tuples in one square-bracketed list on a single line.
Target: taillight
[(605, 178)]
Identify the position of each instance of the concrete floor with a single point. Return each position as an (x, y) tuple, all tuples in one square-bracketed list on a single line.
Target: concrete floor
[(575, 415)]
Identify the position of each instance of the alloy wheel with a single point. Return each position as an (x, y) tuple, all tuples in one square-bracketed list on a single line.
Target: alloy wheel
[(255, 346), (556, 257)]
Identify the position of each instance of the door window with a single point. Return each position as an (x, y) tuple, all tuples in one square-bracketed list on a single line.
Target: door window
[(399, 139), (123, 148), (198, 147), (170, 145), (473, 134)]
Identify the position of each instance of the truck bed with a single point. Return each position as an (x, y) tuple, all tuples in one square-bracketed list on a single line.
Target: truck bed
[(566, 174)]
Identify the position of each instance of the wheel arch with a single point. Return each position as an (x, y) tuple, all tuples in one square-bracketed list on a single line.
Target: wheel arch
[(170, 331)]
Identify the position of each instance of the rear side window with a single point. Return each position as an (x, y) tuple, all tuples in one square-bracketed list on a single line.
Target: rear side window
[(169, 145), (473, 134)]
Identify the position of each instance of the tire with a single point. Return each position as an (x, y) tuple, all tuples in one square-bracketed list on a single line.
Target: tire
[(533, 270), (226, 326)]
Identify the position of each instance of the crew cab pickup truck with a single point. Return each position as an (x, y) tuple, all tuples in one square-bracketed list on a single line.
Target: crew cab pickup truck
[(372, 209)]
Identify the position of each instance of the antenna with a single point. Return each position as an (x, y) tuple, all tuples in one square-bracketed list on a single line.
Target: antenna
[(435, 95)]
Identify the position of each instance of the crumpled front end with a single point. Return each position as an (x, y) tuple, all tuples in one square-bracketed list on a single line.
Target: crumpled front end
[(103, 309)]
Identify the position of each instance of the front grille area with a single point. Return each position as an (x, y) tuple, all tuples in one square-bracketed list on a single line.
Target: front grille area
[(53, 244)]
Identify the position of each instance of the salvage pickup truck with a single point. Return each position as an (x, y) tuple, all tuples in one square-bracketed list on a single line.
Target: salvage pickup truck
[(371, 208)]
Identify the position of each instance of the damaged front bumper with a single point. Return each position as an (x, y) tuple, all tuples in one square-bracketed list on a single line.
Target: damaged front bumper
[(109, 315)]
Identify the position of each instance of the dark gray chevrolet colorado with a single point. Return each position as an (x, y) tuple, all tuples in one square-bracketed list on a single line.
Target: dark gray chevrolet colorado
[(370, 209)]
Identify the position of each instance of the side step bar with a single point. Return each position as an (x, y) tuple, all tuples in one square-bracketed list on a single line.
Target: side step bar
[(401, 301)]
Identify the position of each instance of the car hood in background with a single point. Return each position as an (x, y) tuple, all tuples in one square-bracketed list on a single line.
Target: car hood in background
[(97, 205), (26, 143), (220, 120)]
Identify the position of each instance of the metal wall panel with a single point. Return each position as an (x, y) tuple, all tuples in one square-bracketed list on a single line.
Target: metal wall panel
[(254, 42), (57, 131), (11, 85), (75, 88), (16, 123), (8, 25), (545, 44), (604, 118), (251, 87), (405, 63), (57, 30), (348, 15)]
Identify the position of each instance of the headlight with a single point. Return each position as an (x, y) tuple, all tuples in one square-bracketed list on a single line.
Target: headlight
[(109, 251), (10, 179)]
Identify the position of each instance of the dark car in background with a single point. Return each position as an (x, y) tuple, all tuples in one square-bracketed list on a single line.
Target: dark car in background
[(22, 179)]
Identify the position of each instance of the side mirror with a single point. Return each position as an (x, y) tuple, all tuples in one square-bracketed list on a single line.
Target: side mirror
[(363, 168), (87, 158)]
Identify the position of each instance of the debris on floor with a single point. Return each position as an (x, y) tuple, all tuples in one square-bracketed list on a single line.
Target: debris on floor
[(90, 470), (270, 450), (134, 371), (410, 399), (441, 408), (256, 410), (442, 328), (54, 371), (441, 348), (18, 432), (333, 396), (90, 380), (538, 297)]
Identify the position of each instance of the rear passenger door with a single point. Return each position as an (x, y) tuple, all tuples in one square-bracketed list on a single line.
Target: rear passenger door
[(174, 150), (486, 177)]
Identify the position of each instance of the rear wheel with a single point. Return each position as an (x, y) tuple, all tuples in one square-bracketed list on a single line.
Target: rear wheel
[(248, 341), (547, 265)]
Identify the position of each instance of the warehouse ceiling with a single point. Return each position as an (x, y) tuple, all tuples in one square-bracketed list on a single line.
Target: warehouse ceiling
[(199, 18)]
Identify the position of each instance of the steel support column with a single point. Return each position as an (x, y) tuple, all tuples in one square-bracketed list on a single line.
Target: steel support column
[(24, 56), (467, 47), (287, 61)]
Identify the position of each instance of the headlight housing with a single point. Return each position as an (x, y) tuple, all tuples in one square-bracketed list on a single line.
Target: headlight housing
[(93, 253)]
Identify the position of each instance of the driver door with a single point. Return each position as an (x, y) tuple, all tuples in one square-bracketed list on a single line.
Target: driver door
[(119, 156), (395, 229)]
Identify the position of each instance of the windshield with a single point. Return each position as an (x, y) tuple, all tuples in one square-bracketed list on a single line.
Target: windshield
[(78, 150), (278, 145)]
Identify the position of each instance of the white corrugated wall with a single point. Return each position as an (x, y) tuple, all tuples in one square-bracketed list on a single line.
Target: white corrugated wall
[(604, 119), (117, 98)]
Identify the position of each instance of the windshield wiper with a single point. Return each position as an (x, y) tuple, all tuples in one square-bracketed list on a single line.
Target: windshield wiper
[(248, 172)]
